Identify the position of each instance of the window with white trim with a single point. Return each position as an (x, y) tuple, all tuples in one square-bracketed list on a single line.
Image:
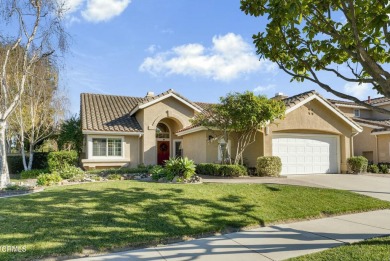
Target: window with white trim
[(102, 147), (356, 112)]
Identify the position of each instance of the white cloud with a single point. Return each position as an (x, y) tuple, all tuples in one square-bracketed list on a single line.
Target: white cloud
[(104, 10), (264, 88), (94, 10), (357, 90), (71, 6), (152, 48), (229, 58)]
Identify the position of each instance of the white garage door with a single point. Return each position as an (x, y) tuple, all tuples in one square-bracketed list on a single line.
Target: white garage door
[(306, 154)]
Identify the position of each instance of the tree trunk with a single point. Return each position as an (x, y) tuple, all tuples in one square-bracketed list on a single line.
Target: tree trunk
[(23, 155), (31, 158), (4, 175)]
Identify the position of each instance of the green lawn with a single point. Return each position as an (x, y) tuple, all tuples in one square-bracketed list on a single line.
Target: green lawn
[(376, 249), (100, 216)]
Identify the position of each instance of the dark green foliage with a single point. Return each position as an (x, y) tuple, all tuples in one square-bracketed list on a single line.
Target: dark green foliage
[(48, 179), (114, 177), (373, 168), (158, 172), (181, 167), (70, 135), (208, 169), (15, 187), (221, 170), (15, 163), (232, 171), (384, 168), (60, 159), (357, 164), (33, 174), (269, 166)]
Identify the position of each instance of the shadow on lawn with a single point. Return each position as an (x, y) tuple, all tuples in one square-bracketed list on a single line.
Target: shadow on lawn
[(66, 221)]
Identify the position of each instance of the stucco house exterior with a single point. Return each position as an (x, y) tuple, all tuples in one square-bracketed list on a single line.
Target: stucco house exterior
[(374, 141), (314, 137)]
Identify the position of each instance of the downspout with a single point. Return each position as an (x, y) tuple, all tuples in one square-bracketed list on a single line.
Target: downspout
[(376, 149), (352, 148), (140, 150)]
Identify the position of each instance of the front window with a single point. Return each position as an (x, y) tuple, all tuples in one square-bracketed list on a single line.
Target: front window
[(178, 149), (106, 147)]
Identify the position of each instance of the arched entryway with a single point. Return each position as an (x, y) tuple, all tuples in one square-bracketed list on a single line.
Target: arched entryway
[(163, 140), (168, 144)]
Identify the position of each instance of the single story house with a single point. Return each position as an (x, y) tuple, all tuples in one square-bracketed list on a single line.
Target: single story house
[(374, 141), (314, 137)]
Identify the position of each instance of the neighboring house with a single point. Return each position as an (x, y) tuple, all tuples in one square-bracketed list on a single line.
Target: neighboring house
[(314, 137), (374, 141)]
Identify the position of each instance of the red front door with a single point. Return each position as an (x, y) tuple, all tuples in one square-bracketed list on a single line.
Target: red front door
[(162, 152)]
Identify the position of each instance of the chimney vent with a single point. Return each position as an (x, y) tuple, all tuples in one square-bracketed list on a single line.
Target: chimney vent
[(279, 96), (369, 100), (149, 94)]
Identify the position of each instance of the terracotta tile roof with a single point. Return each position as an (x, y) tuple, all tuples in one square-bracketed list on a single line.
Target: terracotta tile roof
[(294, 100), (155, 97), (342, 102), (378, 123), (379, 100), (108, 113)]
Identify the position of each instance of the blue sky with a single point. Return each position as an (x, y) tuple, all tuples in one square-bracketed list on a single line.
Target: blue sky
[(202, 49)]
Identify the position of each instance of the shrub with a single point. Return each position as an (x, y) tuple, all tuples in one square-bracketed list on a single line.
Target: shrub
[(114, 177), (181, 167), (48, 179), (268, 166), (232, 170), (208, 169), (357, 164), (373, 168), (158, 172), (32, 174), (68, 172), (16, 187), (384, 168), (120, 170), (59, 159)]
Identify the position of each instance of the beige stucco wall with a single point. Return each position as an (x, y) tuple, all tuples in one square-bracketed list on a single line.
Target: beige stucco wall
[(173, 112), (131, 155), (381, 116), (384, 148), (365, 142), (195, 146), (313, 118), (348, 111)]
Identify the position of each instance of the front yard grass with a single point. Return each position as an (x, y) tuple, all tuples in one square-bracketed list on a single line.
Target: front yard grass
[(369, 250), (110, 215)]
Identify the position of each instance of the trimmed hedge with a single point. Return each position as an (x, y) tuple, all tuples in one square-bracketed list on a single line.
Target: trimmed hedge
[(269, 166), (208, 169), (373, 168), (221, 170), (59, 159), (15, 163), (357, 164), (120, 170), (32, 174)]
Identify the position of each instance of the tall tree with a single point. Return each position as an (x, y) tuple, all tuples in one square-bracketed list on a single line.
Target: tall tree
[(348, 39), (242, 114), (30, 30), (70, 136), (41, 111)]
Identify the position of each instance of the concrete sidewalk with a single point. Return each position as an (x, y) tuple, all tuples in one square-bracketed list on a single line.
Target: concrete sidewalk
[(276, 242)]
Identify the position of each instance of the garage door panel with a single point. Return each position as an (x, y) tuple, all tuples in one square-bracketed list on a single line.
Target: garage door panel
[(305, 154)]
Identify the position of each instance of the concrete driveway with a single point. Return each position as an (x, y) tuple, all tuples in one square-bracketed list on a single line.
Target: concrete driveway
[(370, 185)]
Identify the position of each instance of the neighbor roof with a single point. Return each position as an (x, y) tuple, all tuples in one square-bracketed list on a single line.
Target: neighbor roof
[(378, 123)]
